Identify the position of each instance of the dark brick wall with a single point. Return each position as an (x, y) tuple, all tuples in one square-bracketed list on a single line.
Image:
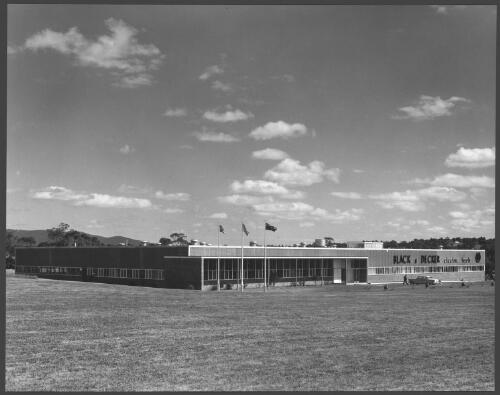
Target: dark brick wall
[(183, 272)]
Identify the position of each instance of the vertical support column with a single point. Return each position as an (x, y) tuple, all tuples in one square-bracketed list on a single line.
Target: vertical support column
[(202, 282)]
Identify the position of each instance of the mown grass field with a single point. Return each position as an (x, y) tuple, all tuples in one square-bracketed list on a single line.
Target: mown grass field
[(72, 336)]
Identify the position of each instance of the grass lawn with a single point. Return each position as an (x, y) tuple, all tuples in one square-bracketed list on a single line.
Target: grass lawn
[(73, 336)]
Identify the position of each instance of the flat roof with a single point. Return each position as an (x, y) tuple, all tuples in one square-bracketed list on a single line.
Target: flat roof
[(338, 248)]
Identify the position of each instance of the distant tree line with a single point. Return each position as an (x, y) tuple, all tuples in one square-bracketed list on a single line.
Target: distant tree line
[(59, 236), (456, 243)]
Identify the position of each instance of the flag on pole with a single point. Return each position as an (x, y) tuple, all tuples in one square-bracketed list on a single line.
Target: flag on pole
[(270, 227), (221, 229), (244, 229)]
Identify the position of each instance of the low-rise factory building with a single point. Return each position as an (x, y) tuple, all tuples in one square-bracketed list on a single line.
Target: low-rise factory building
[(195, 267)]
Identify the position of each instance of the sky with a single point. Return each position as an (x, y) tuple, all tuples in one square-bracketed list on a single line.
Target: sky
[(351, 122)]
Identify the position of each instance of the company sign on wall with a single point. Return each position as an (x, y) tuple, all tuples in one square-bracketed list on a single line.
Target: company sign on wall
[(433, 258)]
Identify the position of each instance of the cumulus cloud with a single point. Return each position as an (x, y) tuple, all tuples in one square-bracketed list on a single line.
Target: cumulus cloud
[(127, 149), (428, 108), (109, 201), (444, 9), (301, 211), (307, 224), (175, 112), (264, 188), (346, 195), (222, 86), (215, 137), (179, 196), (11, 49), (173, 211), (227, 116), (211, 71), (291, 172), (124, 188), (278, 129), (440, 9), (245, 200), (458, 181), (218, 216), (90, 199), (134, 81), (472, 158), (269, 153), (474, 220), (414, 200), (119, 52)]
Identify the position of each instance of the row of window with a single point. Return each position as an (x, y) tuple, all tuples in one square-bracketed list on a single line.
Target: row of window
[(278, 268), (424, 269), (99, 272)]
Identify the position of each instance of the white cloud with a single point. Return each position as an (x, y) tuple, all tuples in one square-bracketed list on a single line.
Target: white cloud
[(302, 211), (346, 195), (119, 52), (11, 50), (124, 188), (58, 193), (173, 211), (175, 112), (459, 181), (358, 171), (269, 153), (458, 214), (291, 172), (429, 107), (218, 216), (211, 71), (265, 188), (278, 129), (126, 149), (228, 116), (472, 158), (441, 194), (473, 221), (414, 200), (90, 199), (109, 201), (134, 81), (440, 9), (215, 137), (419, 222), (245, 200), (222, 86), (307, 224), (179, 196), (444, 9)]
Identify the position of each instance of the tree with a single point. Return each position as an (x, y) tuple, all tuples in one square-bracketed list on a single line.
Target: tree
[(26, 241), (57, 234), (179, 239), (165, 241), (10, 244)]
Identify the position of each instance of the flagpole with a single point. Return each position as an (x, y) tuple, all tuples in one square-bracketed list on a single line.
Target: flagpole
[(242, 258), (265, 265), (218, 260)]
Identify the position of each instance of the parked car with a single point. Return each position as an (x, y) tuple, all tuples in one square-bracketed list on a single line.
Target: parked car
[(424, 280)]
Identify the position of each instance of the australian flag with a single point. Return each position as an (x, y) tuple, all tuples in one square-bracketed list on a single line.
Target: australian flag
[(270, 227), (244, 229)]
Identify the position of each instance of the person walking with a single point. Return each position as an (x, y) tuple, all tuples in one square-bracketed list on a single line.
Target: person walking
[(405, 280)]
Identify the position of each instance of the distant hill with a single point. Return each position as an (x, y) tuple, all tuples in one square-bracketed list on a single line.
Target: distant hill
[(41, 236)]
